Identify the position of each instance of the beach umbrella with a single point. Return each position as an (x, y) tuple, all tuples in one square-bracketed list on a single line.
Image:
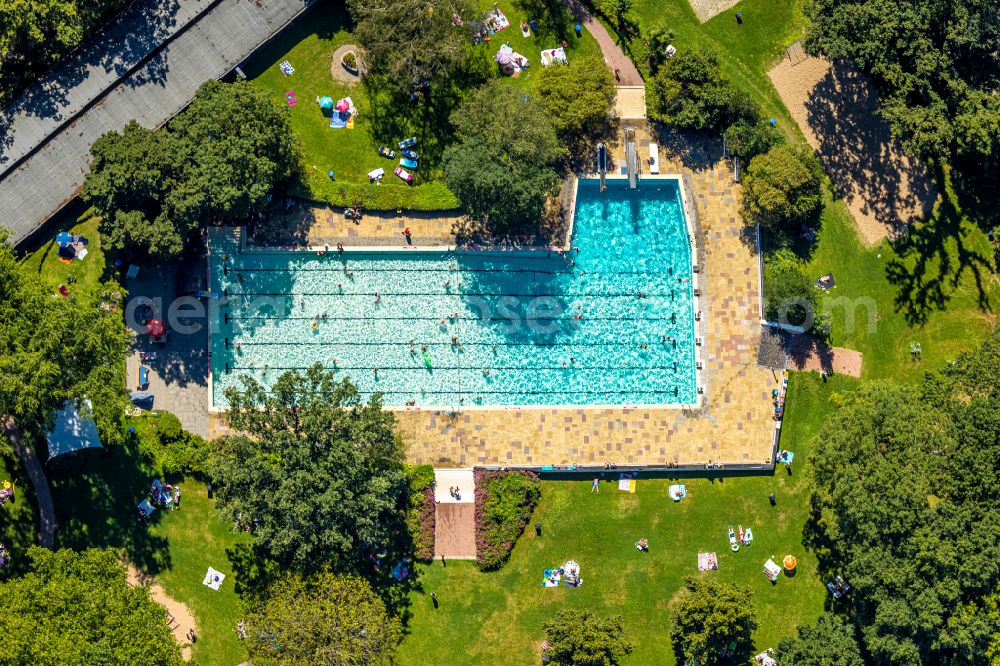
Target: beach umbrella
[(155, 328), (326, 102), (343, 105), (64, 238), (505, 56), (789, 562)]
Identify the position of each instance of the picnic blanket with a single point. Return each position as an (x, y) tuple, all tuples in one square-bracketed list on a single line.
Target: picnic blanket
[(338, 120), (678, 491), (213, 578), (626, 483), (286, 68), (707, 562), (496, 21), (786, 457), (551, 578), (146, 508)]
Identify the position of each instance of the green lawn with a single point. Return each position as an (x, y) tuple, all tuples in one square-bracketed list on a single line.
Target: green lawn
[(18, 523), (746, 52), (351, 153), (95, 496), (497, 617), (52, 271), (198, 538), (937, 289)]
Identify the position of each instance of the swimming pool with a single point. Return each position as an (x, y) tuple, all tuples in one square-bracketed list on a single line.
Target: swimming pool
[(610, 322)]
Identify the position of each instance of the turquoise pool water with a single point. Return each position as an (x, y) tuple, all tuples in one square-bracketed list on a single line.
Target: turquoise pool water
[(487, 328)]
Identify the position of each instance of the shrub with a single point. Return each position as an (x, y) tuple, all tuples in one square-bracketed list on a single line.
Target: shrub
[(747, 139), (350, 61), (420, 519), (689, 90), (432, 195), (173, 450), (504, 504), (789, 295), (783, 188)]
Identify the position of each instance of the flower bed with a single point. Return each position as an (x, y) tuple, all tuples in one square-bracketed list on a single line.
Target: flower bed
[(504, 504), (421, 516)]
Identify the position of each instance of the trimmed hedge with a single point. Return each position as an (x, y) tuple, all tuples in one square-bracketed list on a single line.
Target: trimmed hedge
[(504, 504), (432, 195), (420, 519)]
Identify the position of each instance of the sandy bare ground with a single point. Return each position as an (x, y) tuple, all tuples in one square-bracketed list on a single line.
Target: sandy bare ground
[(706, 9), (835, 105), (183, 619), (808, 353), (455, 531)]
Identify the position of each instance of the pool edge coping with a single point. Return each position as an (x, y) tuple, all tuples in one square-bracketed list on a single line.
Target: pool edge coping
[(701, 372)]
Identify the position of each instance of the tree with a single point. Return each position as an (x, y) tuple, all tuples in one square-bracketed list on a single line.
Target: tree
[(35, 35), (934, 62), (906, 500), (828, 642), (318, 476), (658, 38), (409, 41), (783, 188), (216, 163), (502, 166), (747, 139), (580, 99), (690, 91), (58, 349), (77, 608), (790, 297), (712, 620), (327, 619), (582, 638)]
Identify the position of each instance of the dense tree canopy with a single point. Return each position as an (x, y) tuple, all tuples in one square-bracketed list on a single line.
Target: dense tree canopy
[(580, 99), (409, 41), (690, 91), (56, 349), (502, 166), (828, 642), (783, 188), (215, 163), (35, 34), (747, 139), (318, 476), (935, 61), (581, 638), (907, 508), (709, 618), (327, 619), (77, 608)]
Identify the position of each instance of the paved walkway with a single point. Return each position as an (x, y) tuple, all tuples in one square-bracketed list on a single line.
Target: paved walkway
[(46, 510), (628, 74), (158, 88), (178, 376), (455, 516)]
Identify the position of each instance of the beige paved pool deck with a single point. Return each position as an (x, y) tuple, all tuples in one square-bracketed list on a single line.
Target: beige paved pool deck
[(734, 425)]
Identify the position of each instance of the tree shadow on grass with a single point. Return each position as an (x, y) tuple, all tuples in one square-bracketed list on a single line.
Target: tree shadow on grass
[(395, 115), (928, 270), (553, 18), (96, 494)]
